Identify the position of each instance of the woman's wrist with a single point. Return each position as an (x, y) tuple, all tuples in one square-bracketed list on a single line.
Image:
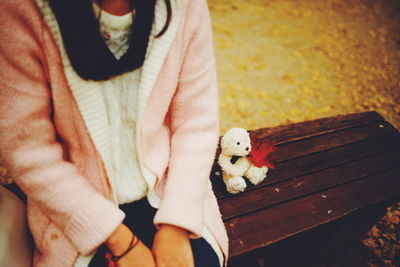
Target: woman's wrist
[(171, 246), (113, 259), (119, 239)]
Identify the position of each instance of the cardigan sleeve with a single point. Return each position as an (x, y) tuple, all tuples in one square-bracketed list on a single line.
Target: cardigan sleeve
[(194, 115), (28, 145)]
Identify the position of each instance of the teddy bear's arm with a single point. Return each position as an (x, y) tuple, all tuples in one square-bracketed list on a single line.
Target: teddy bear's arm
[(227, 166)]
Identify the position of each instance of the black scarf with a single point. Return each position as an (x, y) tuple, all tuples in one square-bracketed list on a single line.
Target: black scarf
[(87, 51)]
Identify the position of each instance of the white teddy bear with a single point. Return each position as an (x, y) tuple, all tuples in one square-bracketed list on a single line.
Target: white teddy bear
[(235, 146)]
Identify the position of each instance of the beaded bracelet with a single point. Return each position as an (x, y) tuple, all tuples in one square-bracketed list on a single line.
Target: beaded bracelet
[(113, 259)]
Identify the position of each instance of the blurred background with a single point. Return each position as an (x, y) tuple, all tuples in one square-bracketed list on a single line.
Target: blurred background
[(284, 61)]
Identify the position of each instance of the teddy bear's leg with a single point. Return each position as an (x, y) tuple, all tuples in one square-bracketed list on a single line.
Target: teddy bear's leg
[(256, 175), (234, 184)]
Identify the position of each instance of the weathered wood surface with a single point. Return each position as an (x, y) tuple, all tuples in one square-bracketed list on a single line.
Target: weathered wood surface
[(326, 169)]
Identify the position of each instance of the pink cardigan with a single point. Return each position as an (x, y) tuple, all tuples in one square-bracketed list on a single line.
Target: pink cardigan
[(45, 143)]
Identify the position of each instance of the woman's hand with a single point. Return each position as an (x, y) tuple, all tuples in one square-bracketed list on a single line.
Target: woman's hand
[(171, 247), (138, 256)]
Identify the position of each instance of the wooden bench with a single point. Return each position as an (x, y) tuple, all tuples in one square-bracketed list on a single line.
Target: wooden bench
[(333, 179)]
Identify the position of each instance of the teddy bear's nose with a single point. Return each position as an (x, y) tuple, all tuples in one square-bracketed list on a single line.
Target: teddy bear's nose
[(247, 148)]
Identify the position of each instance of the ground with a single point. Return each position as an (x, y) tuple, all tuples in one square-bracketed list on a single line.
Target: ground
[(290, 61), (282, 61)]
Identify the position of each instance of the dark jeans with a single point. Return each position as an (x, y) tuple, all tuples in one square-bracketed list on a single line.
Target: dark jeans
[(139, 218)]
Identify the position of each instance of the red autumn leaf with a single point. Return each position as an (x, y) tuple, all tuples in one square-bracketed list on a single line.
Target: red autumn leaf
[(260, 153)]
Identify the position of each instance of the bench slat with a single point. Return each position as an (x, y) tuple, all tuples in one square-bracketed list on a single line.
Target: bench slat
[(270, 225), (323, 153), (331, 140), (296, 131), (275, 194)]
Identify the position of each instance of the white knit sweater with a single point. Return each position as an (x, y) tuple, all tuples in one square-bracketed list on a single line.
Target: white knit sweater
[(120, 94)]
